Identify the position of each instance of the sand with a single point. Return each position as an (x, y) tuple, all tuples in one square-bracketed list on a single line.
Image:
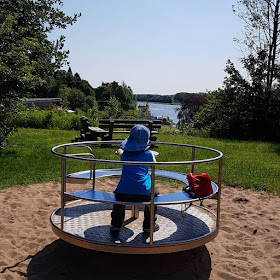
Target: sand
[(247, 246)]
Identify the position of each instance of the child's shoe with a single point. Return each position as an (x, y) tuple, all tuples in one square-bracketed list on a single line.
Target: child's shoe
[(156, 228)]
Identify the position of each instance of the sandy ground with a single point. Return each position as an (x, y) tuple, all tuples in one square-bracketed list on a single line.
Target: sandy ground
[(247, 247)]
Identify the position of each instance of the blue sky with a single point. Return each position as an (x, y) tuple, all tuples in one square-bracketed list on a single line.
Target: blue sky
[(154, 46)]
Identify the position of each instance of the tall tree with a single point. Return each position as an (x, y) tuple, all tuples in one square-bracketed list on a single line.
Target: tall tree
[(250, 108), (242, 109), (261, 20), (27, 56)]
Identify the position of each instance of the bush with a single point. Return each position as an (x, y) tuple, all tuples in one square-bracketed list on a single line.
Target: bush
[(76, 99), (65, 122), (46, 119), (33, 119), (188, 130)]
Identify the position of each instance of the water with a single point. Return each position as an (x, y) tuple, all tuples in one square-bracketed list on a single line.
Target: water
[(162, 110)]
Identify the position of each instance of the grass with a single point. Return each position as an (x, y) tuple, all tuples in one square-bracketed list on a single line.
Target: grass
[(27, 159), (249, 164)]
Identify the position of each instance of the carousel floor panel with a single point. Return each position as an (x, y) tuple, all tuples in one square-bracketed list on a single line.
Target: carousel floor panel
[(90, 221)]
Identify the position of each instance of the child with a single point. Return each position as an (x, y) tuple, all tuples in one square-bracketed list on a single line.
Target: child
[(135, 182)]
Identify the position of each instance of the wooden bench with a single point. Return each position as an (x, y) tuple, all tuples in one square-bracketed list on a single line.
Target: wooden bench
[(90, 133), (109, 127), (124, 126)]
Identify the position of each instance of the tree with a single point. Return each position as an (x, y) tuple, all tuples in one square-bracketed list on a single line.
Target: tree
[(76, 99), (103, 94), (154, 98), (190, 105), (228, 112), (250, 108), (242, 110), (179, 96), (113, 108), (122, 93), (27, 57), (262, 33), (64, 78), (125, 96)]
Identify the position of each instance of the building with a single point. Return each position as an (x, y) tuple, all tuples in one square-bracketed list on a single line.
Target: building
[(43, 103)]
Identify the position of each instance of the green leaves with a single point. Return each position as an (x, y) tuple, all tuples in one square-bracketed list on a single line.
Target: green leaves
[(27, 57), (242, 109), (122, 93)]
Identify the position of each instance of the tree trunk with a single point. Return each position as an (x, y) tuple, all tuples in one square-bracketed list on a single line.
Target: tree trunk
[(274, 44)]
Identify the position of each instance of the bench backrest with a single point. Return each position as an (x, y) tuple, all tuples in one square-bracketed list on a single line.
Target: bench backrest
[(128, 124), (85, 124)]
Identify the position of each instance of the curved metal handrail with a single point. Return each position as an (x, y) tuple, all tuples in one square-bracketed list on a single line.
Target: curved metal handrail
[(64, 156), (118, 162)]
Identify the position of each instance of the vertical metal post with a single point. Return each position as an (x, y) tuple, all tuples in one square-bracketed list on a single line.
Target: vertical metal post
[(90, 171), (193, 157), (134, 211), (219, 192), (63, 189), (152, 208), (93, 175)]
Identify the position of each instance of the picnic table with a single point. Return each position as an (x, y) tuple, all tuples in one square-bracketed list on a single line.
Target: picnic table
[(107, 128)]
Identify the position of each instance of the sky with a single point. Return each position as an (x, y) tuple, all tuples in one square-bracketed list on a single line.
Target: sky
[(154, 46)]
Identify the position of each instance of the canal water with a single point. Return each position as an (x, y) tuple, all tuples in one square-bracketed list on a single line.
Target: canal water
[(162, 110)]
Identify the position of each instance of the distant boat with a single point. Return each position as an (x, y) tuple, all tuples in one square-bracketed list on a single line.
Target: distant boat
[(164, 120), (142, 108), (158, 110), (145, 112)]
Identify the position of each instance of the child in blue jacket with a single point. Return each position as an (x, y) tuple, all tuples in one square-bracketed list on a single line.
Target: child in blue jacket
[(135, 182)]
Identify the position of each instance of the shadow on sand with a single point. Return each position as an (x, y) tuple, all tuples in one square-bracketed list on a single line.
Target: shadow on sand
[(61, 260)]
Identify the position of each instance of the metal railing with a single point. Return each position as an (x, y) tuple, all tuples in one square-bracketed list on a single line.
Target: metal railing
[(92, 160)]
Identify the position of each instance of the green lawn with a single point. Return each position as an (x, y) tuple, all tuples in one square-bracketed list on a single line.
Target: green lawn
[(27, 159)]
